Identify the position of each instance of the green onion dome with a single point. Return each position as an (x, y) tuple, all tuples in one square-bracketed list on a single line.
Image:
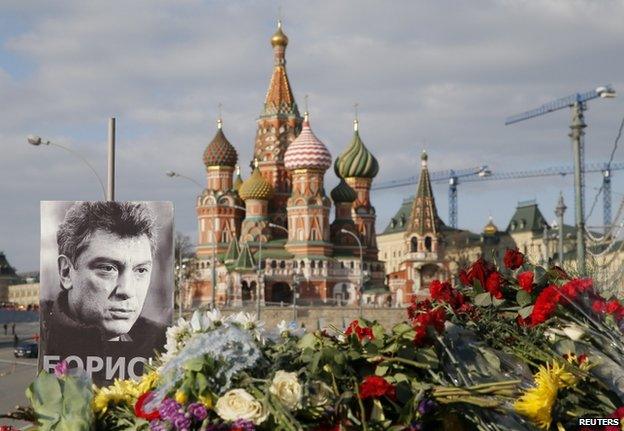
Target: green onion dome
[(343, 193), (255, 187), (356, 161), (220, 152)]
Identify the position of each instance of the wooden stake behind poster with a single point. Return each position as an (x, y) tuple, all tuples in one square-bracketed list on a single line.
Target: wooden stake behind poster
[(106, 285)]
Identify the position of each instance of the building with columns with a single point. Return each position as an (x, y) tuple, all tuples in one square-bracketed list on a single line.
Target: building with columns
[(255, 235)]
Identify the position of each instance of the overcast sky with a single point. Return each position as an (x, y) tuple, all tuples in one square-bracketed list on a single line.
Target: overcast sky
[(434, 75)]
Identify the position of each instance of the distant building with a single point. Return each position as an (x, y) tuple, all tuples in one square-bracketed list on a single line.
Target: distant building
[(24, 295), (7, 277)]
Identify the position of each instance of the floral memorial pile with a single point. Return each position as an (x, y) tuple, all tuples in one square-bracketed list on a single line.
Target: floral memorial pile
[(519, 347)]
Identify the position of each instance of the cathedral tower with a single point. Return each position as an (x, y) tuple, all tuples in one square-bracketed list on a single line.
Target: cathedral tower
[(256, 192), (306, 160), (219, 219), (278, 125), (357, 166)]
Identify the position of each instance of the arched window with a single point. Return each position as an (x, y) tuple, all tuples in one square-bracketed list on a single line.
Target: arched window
[(312, 264), (294, 264), (352, 265), (302, 264), (414, 245), (428, 243), (342, 266), (320, 263), (273, 264), (282, 264)]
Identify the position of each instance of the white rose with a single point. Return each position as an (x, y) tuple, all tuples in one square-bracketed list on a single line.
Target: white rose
[(287, 389), (240, 404)]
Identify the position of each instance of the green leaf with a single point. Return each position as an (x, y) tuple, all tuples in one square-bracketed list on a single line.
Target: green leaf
[(540, 277), (477, 286), (498, 302), (491, 358), (381, 370), (525, 312), (523, 298), (194, 364), (308, 341), (483, 299)]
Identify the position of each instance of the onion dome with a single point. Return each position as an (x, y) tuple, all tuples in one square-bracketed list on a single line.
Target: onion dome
[(343, 193), (490, 228), (279, 38), (220, 152), (356, 161), (238, 181), (307, 151), (255, 187)]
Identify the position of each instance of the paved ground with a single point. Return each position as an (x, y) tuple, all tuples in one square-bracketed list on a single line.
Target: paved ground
[(15, 374)]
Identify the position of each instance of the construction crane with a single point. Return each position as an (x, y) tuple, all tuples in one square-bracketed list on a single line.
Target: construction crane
[(486, 175), (450, 175), (578, 103)]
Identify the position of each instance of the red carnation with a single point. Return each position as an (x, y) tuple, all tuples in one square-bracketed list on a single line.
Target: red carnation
[(139, 410), (545, 305), (375, 387), (493, 285), (441, 291), (361, 333), (513, 259), (573, 288), (599, 305), (434, 318), (617, 414), (525, 280)]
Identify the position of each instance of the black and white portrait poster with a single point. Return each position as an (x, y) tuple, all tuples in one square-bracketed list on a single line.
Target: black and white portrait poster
[(106, 285)]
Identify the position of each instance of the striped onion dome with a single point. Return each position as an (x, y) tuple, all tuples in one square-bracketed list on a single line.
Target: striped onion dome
[(255, 187), (220, 152), (356, 161), (343, 193), (307, 151)]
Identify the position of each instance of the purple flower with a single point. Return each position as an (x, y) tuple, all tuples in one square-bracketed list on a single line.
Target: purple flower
[(168, 409), (182, 422), (198, 411), (243, 425), (158, 426), (425, 406), (60, 369)]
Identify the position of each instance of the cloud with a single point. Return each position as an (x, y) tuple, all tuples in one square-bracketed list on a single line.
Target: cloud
[(439, 75)]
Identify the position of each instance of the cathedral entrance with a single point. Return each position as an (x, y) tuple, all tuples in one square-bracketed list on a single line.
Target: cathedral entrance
[(246, 291), (281, 292)]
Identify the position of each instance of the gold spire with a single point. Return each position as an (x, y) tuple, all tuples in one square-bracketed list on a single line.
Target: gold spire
[(355, 121), (279, 38), (306, 115), (220, 120)]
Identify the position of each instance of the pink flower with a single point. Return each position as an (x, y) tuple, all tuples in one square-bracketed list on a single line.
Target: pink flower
[(61, 369)]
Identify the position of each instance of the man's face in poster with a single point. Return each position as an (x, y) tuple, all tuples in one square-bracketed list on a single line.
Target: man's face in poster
[(107, 285)]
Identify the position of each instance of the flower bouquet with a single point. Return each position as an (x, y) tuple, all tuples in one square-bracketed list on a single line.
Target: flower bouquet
[(516, 348)]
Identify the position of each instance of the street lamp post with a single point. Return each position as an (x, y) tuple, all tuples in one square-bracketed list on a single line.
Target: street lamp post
[(361, 301), (36, 141), (109, 192)]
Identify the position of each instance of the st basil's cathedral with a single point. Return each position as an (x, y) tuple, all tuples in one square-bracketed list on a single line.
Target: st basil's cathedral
[(270, 236)]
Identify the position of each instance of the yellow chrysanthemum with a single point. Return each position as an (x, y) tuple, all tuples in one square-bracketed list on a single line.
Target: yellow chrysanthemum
[(148, 382), (122, 392), (536, 404)]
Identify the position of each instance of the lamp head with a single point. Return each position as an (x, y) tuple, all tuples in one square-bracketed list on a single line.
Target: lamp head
[(606, 92), (170, 174), (34, 140), (344, 231)]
